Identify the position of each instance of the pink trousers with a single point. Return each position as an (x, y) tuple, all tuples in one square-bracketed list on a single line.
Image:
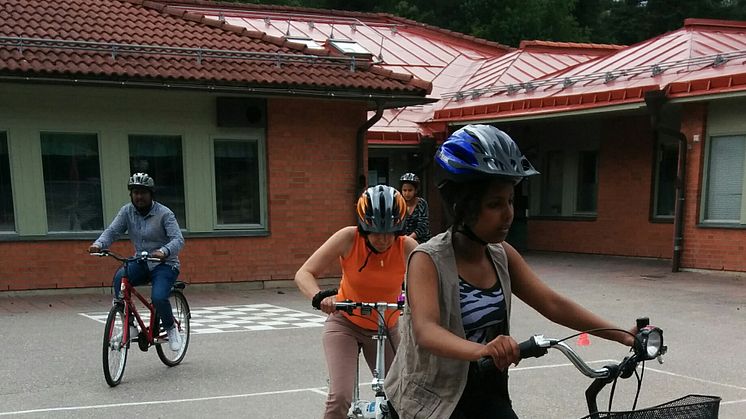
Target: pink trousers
[(341, 339)]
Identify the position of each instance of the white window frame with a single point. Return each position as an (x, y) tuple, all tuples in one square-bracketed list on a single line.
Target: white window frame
[(705, 184), (262, 170)]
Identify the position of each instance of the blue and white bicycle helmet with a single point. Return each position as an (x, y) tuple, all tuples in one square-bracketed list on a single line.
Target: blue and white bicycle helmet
[(481, 151)]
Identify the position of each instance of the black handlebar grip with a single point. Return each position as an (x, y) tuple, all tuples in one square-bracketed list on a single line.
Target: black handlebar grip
[(530, 349)]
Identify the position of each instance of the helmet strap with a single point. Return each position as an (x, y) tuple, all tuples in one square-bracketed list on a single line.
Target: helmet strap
[(371, 250), (467, 231)]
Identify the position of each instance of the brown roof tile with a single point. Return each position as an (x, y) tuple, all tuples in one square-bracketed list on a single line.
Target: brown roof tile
[(146, 40)]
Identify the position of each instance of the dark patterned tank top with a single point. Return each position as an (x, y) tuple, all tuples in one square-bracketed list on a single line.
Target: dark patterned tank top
[(483, 311)]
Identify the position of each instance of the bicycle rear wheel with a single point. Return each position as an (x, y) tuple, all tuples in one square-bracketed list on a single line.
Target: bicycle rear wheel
[(180, 309), (114, 346)]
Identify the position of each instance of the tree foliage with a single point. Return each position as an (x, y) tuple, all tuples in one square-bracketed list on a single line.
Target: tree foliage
[(510, 21)]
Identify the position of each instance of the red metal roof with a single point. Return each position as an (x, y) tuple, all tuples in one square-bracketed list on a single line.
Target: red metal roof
[(143, 40), (703, 57), (451, 61)]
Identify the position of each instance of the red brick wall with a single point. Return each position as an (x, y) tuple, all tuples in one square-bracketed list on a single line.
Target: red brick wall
[(311, 182), (623, 225), (705, 248)]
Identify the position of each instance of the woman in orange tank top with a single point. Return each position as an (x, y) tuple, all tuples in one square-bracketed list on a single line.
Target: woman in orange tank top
[(373, 258)]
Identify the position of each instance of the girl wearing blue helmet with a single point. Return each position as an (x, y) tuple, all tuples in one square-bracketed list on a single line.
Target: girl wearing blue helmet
[(459, 287)]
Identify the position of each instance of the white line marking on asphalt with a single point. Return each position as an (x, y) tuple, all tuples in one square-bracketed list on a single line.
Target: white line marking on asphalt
[(733, 402), (696, 379), (539, 367), (319, 391), (196, 399)]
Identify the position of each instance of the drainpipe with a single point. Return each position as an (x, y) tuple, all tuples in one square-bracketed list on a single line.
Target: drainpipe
[(665, 119), (360, 138)]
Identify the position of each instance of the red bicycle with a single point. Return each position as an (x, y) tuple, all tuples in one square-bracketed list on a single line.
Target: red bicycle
[(117, 337)]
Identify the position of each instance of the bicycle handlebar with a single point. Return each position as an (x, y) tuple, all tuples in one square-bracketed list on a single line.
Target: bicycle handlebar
[(648, 345), (348, 306), (537, 346), (143, 256)]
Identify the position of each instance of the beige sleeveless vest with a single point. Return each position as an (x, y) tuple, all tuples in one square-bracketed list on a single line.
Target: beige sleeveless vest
[(423, 385)]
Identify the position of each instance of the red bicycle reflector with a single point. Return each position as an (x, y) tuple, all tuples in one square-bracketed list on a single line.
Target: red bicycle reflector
[(584, 340)]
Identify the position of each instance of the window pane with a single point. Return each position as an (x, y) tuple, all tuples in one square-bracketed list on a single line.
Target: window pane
[(665, 187), (160, 157), (7, 220), (725, 178), (587, 181), (237, 182), (551, 184), (72, 181)]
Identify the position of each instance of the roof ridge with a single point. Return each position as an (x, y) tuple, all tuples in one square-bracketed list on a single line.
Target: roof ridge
[(527, 44), (714, 23), (449, 32), (160, 7), (343, 13), (239, 30)]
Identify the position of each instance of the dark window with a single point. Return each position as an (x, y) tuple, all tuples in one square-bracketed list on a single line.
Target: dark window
[(72, 181), (665, 180), (237, 187), (587, 181), (7, 220), (160, 157), (551, 183)]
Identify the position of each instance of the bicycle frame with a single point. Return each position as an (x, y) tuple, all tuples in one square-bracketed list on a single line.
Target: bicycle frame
[(131, 310), (378, 408)]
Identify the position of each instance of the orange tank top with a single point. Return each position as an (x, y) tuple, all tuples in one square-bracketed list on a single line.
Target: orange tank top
[(379, 281)]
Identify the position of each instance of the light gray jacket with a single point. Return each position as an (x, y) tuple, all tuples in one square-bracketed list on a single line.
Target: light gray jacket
[(423, 385)]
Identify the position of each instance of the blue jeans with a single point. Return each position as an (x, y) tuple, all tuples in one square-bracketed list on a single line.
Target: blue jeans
[(162, 277)]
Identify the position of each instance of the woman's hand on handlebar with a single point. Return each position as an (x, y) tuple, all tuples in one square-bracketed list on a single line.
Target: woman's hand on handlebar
[(328, 304), (503, 350)]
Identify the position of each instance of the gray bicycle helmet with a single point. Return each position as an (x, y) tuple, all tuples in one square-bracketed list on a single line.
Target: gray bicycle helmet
[(141, 180), (479, 151), (381, 209), (410, 178)]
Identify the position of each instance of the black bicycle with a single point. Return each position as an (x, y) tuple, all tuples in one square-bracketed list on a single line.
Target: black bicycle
[(648, 346)]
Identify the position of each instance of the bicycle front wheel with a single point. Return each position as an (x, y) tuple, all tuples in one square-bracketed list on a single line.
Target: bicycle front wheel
[(114, 346), (180, 309)]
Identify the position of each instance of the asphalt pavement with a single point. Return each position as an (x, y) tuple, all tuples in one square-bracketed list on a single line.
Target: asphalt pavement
[(256, 353)]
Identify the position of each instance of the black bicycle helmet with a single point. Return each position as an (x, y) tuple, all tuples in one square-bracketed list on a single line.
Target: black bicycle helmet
[(381, 209), (410, 178), (141, 180), (481, 151)]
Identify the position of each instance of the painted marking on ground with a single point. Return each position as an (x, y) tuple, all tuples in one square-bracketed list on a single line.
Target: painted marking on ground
[(238, 318), (154, 402)]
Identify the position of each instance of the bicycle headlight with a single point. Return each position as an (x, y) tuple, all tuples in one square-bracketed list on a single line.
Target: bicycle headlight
[(649, 342)]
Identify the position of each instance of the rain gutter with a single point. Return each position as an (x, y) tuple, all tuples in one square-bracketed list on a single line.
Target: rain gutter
[(665, 118), (362, 180)]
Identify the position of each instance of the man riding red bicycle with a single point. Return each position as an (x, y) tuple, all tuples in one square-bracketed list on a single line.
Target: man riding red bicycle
[(152, 228)]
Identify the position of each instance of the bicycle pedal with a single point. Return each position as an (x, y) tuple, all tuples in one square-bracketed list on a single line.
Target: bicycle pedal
[(142, 342)]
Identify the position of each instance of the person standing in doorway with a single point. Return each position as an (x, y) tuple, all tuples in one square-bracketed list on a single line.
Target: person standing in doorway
[(417, 222)]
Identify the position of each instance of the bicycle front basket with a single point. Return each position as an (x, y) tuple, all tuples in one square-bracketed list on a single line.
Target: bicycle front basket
[(693, 406)]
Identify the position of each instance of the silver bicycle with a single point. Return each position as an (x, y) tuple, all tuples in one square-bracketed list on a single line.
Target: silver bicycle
[(377, 408)]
